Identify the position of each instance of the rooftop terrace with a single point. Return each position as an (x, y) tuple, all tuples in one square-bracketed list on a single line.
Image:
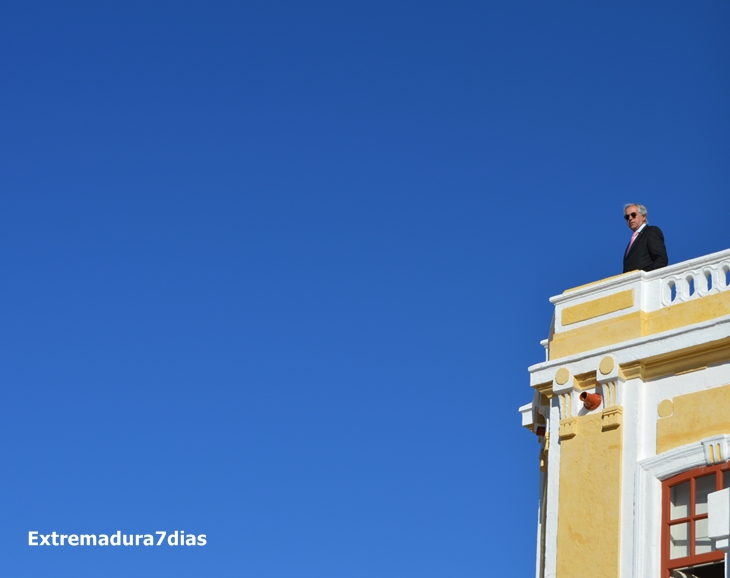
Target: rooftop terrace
[(639, 304)]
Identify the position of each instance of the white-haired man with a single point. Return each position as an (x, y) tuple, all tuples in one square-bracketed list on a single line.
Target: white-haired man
[(646, 250)]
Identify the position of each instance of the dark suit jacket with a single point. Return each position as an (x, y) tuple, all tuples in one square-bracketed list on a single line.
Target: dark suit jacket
[(648, 251)]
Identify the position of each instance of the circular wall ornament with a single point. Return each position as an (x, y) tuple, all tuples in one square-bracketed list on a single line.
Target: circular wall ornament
[(607, 364), (562, 376), (666, 408)]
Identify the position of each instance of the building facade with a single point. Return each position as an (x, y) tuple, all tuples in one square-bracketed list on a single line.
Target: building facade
[(631, 408)]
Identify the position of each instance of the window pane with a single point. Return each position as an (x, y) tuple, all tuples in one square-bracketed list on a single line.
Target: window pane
[(679, 540), (726, 479), (703, 486), (716, 569), (679, 498), (703, 544)]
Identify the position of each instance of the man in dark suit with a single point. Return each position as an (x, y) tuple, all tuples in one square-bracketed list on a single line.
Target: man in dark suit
[(646, 250)]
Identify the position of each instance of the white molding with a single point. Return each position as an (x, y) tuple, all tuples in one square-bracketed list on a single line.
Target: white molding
[(526, 411), (553, 492), (629, 457), (640, 348), (676, 461)]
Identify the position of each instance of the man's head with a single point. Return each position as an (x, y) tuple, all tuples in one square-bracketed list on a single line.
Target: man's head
[(635, 215)]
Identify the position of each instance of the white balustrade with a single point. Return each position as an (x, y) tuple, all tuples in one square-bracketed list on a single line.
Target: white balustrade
[(654, 290), (694, 283)]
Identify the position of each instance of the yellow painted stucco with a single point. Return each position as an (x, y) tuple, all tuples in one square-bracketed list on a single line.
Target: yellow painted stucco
[(589, 511), (585, 381), (695, 416), (665, 408), (683, 314), (562, 376), (686, 360), (681, 361), (607, 364), (638, 324), (595, 335), (598, 307)]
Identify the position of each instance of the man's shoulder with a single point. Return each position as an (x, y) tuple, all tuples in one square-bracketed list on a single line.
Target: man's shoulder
[(653, 229)]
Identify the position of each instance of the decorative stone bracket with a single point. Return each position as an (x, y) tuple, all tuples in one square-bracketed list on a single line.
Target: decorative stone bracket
[(563, 388), (611, 418), (607, 382), (568, 428), (716, 449), (612, 387)]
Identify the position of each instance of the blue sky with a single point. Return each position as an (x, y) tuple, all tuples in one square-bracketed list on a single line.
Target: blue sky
[(274, 272)]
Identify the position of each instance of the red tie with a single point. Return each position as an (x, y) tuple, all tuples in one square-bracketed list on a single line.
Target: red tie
[(633, 238)]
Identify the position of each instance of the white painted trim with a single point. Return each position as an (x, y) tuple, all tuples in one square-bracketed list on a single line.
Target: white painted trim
[(526, 411), (540, 506), (594, 289), (640, 348), (545, 343), (629, 432), (553, 492)]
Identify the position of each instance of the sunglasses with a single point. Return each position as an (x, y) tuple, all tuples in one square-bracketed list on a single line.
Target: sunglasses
[(630, 216)]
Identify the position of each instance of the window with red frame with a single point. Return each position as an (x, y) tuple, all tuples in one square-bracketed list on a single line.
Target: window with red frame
[(687, 550)]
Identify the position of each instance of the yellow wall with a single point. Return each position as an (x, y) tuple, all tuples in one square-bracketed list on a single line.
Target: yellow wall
[(595, 335), (589, 513), (683, 314), (598, 307), (695, 417), (639, 324)]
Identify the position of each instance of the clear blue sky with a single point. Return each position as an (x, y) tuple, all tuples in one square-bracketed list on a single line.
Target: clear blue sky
[(274, 271)]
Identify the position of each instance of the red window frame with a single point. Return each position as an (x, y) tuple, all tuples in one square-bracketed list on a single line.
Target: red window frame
[(667, 564)]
